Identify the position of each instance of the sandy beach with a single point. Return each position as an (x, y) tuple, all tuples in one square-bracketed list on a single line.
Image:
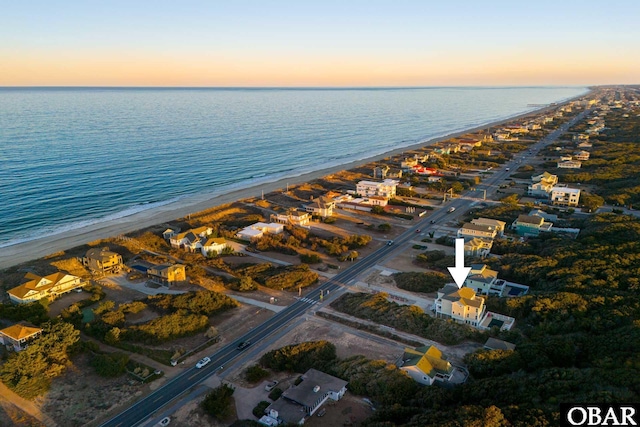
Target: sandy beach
[(41, 247)]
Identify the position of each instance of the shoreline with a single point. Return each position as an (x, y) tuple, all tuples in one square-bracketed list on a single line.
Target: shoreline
[(40, 247)]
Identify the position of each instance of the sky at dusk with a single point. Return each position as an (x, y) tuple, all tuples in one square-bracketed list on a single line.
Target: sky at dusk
[(318, 43)]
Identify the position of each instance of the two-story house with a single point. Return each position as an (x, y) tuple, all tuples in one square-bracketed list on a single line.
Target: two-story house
[(484, 281), (102, 261), (167, 274), (191, 239), (530, 225), (426, 365), (542, 184), (477, 246), (565, 196), (213, 245), (36, 287), (19, 336), (460, 304), (386, 188), (322, 206), (496, 224), (471, 230)]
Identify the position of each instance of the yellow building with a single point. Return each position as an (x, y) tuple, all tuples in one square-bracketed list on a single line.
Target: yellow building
[(460, 304), (19, 336), (51, 286), (168, 274), (102, 261)]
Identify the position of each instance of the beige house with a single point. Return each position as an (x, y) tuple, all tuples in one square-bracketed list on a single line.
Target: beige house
[(477, 246), (484, 281), (102, 261), (168, 274), (569, 164), (581, 155), (37, 287), (565, 196), (542, 184), (498, 225), (470, 229), (460, 304), (293, 217), (426, 365), (19, 336), (322, 206)]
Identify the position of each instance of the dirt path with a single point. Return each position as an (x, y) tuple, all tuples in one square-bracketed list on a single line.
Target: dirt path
[(9, 399)]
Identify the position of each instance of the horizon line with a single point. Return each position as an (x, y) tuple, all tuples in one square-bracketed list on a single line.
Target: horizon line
[(303, 87)]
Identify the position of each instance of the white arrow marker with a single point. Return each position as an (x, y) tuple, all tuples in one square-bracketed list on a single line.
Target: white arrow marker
[(459, 272)]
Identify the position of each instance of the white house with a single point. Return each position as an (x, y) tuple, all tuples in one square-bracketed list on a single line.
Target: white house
[(191, 239), (477, 246), (565, 196), (581, 155), (36, 287), (498, 225), (484, 281), (460, 304), (386, 188), (322, 206), (426, 365), (257, 230), (477, 230), (213, 244), (569, 164)]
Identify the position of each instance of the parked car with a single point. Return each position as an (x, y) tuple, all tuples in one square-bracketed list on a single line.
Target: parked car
[(164, 422), (271, 385), (203, 362), (321, 412), (243, 345), (390, 242)]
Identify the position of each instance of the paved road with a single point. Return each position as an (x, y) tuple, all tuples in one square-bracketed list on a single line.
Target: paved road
[(144, 408)]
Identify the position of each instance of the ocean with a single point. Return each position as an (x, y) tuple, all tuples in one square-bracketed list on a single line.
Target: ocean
[(73, 156)]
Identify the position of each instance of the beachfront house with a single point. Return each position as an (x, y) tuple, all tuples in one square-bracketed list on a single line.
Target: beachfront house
[(36, 287), (322, 206), (259, 229), (426, 365), (293, 217), (530, 225), (385, 189), (565, 196), (213, 245), (18, 337), (459, 304), (167, 274), (304, 399), (102, 261), (191, 239)]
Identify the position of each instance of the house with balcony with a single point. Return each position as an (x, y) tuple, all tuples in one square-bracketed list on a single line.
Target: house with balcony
[(17, 337), (167, 274), (322, 206), (36, 287), (484, 281), (494, 223), (470, 229), (581, 155), (565, 196), (459, 304), (426, 365), (385, 189), (530, 225), (569, 164), (477, 247), (293, 217), (102, 261), (301, 401), (542, 184)]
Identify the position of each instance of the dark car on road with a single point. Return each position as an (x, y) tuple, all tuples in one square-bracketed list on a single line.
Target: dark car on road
[(243, 345)]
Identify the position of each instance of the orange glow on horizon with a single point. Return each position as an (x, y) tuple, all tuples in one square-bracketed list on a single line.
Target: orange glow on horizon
[(144, 69)]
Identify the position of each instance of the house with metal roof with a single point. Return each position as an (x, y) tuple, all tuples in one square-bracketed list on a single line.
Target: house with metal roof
[(459, 304)]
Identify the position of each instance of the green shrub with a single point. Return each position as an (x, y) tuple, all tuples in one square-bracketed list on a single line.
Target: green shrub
[(300, 357), (310, 258), (110, 364), (275, 393), (218, 402), (421, 282), (255, 373), (258, 411), (199, 302)]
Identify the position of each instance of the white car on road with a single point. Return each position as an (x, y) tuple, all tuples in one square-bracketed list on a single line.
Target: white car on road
[(202, 362)]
